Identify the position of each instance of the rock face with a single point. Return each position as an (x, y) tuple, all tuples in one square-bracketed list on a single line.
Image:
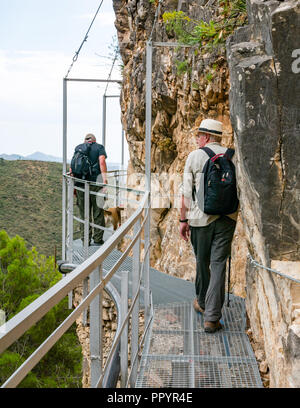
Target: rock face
[(180, 102), (264, 68)]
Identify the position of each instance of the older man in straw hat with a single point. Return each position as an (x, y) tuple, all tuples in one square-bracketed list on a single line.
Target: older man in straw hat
[(211, 235)]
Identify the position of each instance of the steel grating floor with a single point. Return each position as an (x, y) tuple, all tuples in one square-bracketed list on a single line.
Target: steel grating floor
[(178, 353)]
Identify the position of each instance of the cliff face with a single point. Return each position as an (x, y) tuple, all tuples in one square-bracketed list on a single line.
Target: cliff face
[(180, 102), (265, 101), (264, 108)]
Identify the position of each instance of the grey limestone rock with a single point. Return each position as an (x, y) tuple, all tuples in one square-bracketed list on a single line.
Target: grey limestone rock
[(264, 67), (265, 113)]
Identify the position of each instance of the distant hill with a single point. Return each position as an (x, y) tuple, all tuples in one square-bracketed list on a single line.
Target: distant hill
[(11, 156), (34, 156), (48, 158), (30, 202), (42, 157)]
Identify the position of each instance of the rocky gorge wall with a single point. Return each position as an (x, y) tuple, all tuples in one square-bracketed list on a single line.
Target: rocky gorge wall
[(263, 111), (180, 102)]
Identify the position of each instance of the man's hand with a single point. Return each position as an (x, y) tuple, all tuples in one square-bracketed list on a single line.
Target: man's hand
[(185, 230), (184, 226)]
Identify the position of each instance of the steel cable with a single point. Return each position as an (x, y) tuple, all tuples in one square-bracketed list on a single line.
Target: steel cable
[(111, 69), (256, 264), (74, 59)]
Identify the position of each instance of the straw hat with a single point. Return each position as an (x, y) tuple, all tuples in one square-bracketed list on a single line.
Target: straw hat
[(211, 126)]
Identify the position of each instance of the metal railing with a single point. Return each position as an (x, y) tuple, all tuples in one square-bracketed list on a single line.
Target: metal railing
[(283, 275), (91, 268)]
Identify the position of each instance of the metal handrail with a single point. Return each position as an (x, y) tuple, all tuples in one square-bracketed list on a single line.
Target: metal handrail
[(258, 265), (125, 320), (24, 320), (95, 183)]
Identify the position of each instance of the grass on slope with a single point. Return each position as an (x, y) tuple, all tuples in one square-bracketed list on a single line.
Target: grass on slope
[(31, 203)]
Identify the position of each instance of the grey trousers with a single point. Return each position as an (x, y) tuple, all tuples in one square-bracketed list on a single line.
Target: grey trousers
[(212, 246), (96, 215)]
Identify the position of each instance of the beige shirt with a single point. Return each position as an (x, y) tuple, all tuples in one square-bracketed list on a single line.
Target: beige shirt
[(193, 174)]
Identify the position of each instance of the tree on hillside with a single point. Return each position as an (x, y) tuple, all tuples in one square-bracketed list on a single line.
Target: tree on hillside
[(24, 276)]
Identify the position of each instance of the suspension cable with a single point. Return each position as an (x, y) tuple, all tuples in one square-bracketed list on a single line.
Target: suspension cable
[(256, 264), (74, 59), (111, 69)]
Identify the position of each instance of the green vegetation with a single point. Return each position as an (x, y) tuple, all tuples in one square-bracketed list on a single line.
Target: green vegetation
[(24, 276), (206, 35), (31, 204), (182, 67)]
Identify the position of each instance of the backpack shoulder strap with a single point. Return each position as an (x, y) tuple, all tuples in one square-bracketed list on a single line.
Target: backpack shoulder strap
[(208, 151), (229, 153)]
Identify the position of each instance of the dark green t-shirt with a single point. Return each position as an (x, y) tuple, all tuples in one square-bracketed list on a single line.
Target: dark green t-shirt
[(96, 151)]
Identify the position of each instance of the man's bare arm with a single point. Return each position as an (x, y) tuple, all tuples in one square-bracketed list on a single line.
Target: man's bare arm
[(103, 168), (184, 226)]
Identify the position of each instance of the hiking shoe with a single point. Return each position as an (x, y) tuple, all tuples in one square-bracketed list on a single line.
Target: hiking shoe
[(99, 242), (197, 307), (212, 327)]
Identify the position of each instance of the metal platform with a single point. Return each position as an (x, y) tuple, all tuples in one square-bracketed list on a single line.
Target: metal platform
[(165, 288), (178, 353)]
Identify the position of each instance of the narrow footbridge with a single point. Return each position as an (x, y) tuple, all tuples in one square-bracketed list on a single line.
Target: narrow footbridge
[(177, 352), (172, 350)]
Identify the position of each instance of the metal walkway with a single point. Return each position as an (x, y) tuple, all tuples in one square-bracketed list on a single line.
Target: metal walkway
[(177, 352), (176, 288)]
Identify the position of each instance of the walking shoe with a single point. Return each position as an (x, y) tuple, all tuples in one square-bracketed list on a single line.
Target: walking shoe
[(99, 242), (197, 307), (212, 327)]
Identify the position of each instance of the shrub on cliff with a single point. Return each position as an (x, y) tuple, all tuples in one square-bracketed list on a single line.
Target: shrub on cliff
[(227, 17)]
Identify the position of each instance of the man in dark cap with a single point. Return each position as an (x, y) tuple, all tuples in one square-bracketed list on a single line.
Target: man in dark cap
[(97, 156)]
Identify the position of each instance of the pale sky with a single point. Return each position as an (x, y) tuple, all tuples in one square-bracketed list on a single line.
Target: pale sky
[(38, 40)]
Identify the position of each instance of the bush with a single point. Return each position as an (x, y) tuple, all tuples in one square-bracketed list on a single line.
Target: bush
[(24, 276), (206, 35)]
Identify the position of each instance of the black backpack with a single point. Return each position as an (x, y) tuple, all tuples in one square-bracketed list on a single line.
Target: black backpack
[(220, 193), (81, 164)]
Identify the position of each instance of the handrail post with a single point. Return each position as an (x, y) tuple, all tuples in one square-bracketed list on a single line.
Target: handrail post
[(149, 51), (117, 176), (70, 229), (124, 337), (135, 310), (104, 120), (86, 219), (96, 351), (64, 182), (86, 241)]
